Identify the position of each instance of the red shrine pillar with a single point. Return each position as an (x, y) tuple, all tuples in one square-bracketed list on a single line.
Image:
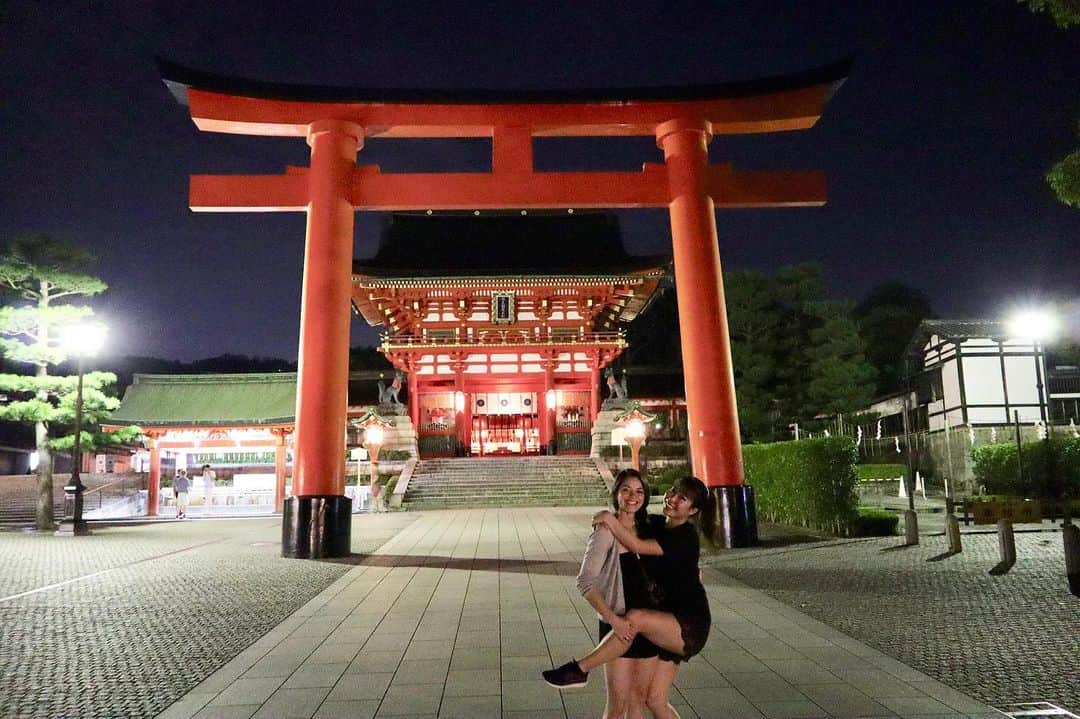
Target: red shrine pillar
[(462, 411), (414, 396), (280, 439), (547, 410), (594, 387), (712, 415), (317, 519), (153, 482)]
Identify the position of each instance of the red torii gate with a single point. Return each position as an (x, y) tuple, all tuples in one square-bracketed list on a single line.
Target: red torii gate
[(335, 122)]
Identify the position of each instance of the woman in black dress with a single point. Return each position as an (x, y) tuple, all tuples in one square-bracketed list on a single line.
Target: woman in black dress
[(680, 626), (612, 580)]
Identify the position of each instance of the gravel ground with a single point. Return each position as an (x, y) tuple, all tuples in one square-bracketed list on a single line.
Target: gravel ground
[(125, 621), (1010, 638)]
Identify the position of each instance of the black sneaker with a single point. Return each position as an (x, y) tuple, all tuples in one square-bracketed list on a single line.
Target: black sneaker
[(568, 676)]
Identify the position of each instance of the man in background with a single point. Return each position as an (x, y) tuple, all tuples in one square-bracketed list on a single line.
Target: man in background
[(181, 485), (208, 477)]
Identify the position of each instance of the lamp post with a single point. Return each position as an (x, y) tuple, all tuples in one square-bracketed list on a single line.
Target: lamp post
[(635, 424), (81, 340), (374, 428), (635, 435)]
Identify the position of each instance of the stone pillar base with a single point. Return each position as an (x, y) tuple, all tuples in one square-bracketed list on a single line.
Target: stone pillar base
[(736, 516), (316, 526)]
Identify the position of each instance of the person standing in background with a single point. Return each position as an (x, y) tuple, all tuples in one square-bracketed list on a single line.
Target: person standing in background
[(181, 485), (208, 477)]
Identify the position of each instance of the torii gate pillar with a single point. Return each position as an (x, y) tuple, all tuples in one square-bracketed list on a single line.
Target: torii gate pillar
[(317, 520), (713, 418)]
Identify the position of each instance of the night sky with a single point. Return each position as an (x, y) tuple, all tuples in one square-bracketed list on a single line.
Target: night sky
[(935, 148)]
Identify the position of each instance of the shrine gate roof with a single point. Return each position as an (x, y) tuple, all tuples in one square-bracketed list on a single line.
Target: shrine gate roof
[(208, 400), (179, 79), (588, 244)]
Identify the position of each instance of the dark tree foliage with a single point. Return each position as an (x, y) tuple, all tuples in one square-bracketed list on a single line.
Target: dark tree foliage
[(887, 319), (1065, 13), (126, 367), (796, 355), (1063, 177)]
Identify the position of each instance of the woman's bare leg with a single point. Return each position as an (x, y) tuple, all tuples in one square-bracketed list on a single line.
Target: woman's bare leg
[(640, 683), (660, 628), (619, 675), (659, 687)]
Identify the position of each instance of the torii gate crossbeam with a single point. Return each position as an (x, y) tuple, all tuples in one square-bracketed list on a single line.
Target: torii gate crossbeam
[(336, 121)]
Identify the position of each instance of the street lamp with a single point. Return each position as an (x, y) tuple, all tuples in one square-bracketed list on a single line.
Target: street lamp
[(81, 340), (374, 428), (635, 424), (635, 435), (1039, 326)]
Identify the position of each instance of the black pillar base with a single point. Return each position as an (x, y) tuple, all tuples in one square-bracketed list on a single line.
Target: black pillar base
[(316, 526), (71, 528), (736, 516)]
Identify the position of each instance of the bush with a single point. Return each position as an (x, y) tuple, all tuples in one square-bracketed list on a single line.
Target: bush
[(871, 472), (1051, 468), (661, 481), (874, 522), (394, 455), (809, 483)]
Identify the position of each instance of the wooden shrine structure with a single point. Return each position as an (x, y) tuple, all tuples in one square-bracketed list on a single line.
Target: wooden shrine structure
[(337, 121), (502, 324)]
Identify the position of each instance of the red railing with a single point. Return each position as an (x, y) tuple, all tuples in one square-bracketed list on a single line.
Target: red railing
[(497, 338)]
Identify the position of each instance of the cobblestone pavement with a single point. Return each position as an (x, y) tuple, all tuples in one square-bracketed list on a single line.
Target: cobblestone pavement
[(1001, 639), (121, 623)]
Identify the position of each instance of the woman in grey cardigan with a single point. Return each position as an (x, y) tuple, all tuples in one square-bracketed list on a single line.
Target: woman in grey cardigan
[(613, 581)]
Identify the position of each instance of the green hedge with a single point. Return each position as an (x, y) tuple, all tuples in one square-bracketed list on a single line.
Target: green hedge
[(871, 472), (1051, 469), (874, 522), (809, 483)]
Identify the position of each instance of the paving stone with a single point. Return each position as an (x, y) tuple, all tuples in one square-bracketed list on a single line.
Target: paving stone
[(470, 707), (347, 709), (473, 682), (411, 700), (310, 676), (802, 709), (292, 703)]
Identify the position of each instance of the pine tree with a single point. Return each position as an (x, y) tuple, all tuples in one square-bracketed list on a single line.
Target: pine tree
[(40, 276)]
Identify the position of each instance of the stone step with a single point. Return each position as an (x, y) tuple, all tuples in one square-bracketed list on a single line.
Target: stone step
[(510, 481)]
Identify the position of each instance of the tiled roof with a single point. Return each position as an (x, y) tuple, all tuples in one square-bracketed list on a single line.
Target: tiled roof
[(453, 245), (960, 329), (208, 400)]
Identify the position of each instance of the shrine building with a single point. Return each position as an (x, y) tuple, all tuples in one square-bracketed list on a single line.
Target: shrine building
[(502, 325)]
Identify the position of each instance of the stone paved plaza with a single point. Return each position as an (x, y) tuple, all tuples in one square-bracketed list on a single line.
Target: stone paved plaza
[(440, 614), (1003, 639)]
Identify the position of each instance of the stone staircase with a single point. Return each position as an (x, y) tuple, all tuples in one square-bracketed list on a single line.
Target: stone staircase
[(506, 482), (18, 494)]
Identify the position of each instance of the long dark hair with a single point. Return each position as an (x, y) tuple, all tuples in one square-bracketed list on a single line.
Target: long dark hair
[(695, 490), (641, 516)]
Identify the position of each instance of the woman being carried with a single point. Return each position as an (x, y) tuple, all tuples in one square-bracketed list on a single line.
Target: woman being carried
[(612, 581), (681, 625)]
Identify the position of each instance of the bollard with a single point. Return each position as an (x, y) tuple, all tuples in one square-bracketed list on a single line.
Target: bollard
[(911, 528), (1006, 547), (1070, 535), (952, 531)]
